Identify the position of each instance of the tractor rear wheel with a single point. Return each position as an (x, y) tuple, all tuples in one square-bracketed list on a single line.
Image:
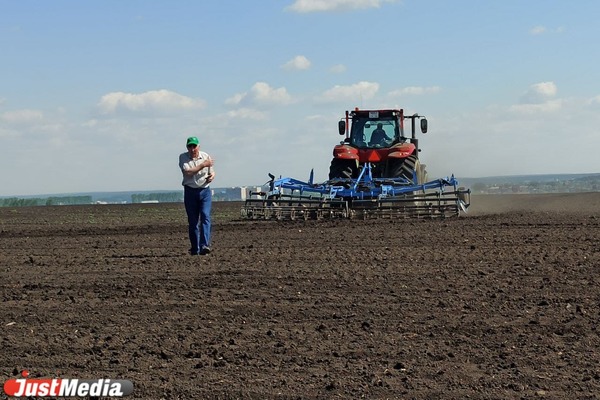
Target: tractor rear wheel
[(342, 169), (407, 168), (410, 168)]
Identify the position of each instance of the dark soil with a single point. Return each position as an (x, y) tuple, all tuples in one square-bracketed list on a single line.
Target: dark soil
[(501, 304)]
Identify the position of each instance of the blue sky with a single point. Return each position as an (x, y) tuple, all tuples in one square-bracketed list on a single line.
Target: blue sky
[(101, 95)]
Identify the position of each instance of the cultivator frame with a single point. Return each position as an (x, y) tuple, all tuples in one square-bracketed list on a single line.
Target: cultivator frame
[(363, 198)]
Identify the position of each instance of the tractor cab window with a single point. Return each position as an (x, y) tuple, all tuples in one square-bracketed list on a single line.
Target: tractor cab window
[(373, 133)]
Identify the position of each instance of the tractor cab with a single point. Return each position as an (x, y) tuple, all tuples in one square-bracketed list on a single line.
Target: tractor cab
[(377, 129), (374, 133)]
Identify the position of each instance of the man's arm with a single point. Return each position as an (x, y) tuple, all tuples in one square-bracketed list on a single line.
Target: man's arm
[(194, 170)]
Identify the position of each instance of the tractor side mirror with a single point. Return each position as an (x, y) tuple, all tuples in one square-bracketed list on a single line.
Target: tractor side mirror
[(424, 125), (342, 127)]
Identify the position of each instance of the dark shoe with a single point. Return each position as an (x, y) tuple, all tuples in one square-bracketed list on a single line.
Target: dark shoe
[(194, 252), (205, 250)]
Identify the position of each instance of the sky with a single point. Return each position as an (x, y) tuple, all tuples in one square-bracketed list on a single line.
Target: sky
[(100, 95)]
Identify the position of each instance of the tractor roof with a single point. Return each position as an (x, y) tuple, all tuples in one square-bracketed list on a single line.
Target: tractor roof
[(374, 114)]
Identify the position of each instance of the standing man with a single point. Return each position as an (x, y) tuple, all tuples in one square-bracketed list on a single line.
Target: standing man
[(198, 173)]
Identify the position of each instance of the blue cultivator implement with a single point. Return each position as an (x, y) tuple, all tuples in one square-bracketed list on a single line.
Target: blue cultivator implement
[(364, 197), (375, 172)]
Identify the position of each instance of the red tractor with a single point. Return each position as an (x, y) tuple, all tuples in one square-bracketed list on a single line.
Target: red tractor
[(375, 172), (377, 137)]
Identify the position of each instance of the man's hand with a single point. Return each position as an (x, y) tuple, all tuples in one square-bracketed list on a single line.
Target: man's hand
[(208, 163), (210, 177)]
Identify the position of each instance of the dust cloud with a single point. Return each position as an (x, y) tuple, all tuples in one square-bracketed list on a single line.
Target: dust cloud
[(550, 202)]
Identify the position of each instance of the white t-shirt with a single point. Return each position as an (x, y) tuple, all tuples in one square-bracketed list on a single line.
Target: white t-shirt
[(198, 180)]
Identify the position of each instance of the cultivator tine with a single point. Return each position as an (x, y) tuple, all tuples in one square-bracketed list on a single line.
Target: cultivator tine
[(294, 209), (436, 205)]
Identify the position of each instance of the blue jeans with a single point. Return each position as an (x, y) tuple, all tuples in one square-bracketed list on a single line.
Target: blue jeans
[(198, 204)]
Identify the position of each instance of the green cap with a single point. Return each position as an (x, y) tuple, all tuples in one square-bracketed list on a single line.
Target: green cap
[(192, 140)]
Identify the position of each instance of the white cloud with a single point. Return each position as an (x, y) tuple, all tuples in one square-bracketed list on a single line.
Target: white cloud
[(308, 6), (247, 113), (594, 101), (7, 133), (361, 90), (414, 90), (264, 93), (537, 30), (531, 108), (22, 117), (35, 127), (151, 101), (338, 69), (236, 99), (297, 63), (539, 93), (539, 98), (540, 30), (261, 93), (486, 135)]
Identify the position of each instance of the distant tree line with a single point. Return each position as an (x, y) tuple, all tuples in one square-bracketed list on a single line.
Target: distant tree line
[(168, 197), (584, 184), (45, 201)]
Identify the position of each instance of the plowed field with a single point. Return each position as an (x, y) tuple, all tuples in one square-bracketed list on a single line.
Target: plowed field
[(503, 303)]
